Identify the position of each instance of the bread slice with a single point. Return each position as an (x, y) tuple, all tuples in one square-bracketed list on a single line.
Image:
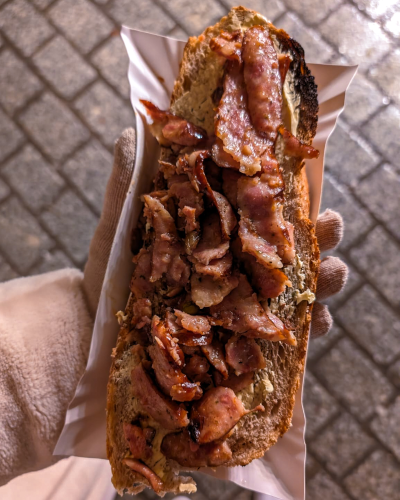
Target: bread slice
[(276, 385)]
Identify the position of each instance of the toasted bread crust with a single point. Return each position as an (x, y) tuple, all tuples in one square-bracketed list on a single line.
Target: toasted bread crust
[(200, 74)]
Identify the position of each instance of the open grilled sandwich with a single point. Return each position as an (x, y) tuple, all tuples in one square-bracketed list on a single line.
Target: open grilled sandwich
[(214, 336)]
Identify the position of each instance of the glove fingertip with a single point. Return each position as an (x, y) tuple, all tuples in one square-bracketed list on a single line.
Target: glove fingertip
[(321, 321), (329, 230)]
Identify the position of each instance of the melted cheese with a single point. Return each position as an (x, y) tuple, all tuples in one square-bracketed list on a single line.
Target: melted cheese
[(306, 295)]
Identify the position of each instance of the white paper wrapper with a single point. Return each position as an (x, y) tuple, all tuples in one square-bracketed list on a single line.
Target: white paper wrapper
[(154, 65)]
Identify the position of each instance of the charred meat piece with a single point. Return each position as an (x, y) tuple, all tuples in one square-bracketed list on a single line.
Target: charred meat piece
[(216, 414), (172, 381), (197, 368), (139, 440), (183, 450), (163, 337), (161, 408)]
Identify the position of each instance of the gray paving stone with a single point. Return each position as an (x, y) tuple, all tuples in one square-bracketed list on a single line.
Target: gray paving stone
[(359, 39), (63, 67), (393, 25), (33, 178), (312, 466), (311, 10), (23, 240), (384, 180), (376, 8), (42, 4), (348, 156), (373, 324), (319, 405), (195, 18), (10, 136), (105, 112), (387, 75), (353, 379), (322, 487), (24, 26), (362, 99), (383, 272), (341, 445), (112, 61), (376, 478), (315, 48), (89, 170), (386, 427), (6, 273), (178, 33), (142, 15), (270, 9), (4, 190), (394, 373), (73, 223), (54, 126), (17, 82), (356, 220), (51, 261), (382, 132), (317, 347), (81, 22)]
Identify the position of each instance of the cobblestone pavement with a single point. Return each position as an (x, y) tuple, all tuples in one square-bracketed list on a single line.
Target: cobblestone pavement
[(63, 102)]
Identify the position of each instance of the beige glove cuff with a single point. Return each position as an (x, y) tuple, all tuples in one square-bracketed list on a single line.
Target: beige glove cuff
[(45, 332)]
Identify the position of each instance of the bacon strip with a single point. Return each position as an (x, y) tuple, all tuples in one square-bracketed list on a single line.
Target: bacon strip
[(163, 338), (217, 268), (215, 355), (268, 282), (145, 471), (233, 123), (294, 147), (166, 257), (228, 45), (241, 312), (196, 324), (262, 220), (162, 409), (222, 158), (284, 61), (183, 450), (140, 284), (172, 381), (168, 128), (197, 368), (211, 246), (216, 414), (207, 291), (263, 82), (244, 355), (226, 214)]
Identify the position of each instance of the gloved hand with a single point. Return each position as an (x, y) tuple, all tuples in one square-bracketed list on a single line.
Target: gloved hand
[(45, 330)]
